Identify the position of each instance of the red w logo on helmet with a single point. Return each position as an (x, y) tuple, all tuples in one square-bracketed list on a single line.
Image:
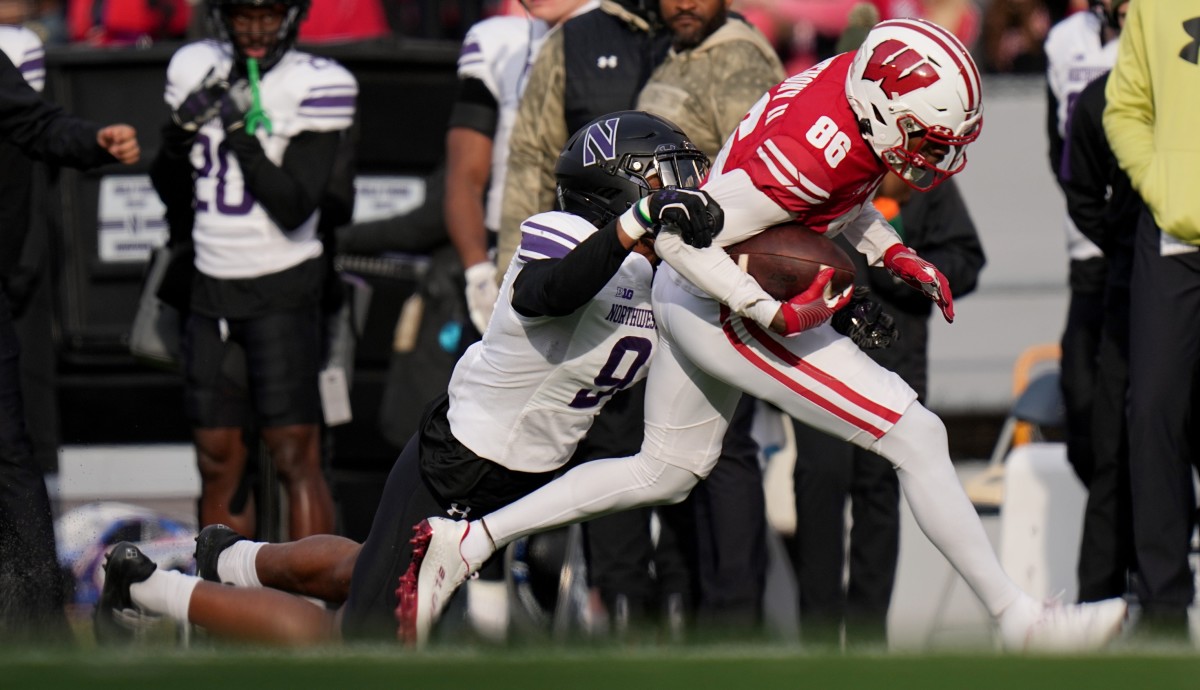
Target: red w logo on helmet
[(899, 69)]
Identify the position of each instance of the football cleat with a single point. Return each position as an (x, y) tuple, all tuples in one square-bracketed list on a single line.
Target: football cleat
[(1068, 628), (211, 541), (123, 566), (435, 573)]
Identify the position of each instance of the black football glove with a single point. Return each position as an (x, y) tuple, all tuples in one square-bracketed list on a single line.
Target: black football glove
[(689, 212), (234, 105), (203, 104), (864, 321)]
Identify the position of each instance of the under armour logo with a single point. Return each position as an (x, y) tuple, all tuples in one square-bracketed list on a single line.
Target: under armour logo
[(458, 513), (607, 62), (1191, 52)]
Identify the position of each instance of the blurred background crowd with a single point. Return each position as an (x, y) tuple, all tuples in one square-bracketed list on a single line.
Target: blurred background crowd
[(1005, 35)]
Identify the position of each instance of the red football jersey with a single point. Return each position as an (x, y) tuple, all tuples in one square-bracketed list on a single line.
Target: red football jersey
[(801, 150)]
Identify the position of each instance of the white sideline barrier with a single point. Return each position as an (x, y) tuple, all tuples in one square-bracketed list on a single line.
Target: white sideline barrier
[(1041, 520), (158, 476)]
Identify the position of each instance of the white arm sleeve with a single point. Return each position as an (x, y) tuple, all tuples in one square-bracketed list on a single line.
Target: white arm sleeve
[(871, 234), (712, 271)]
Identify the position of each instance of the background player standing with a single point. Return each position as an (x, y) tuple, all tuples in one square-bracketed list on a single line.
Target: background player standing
[(258, 126)]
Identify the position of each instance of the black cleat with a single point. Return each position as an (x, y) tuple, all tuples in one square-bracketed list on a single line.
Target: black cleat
[(211, 541), (123, 566)]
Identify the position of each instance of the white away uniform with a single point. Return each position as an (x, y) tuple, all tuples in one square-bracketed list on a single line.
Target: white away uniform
[(498, 52), (24, 49), (1075, 55), (525, 395), (233, 235)]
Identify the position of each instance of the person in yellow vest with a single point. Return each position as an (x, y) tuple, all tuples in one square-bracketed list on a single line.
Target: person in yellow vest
[(1149, 121)]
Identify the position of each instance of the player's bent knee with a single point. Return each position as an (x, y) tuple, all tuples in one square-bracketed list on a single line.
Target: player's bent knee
[(918, 434), (670, 484)]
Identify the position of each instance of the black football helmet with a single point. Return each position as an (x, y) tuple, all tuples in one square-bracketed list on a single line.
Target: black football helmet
[(616, 159), (219, 15)]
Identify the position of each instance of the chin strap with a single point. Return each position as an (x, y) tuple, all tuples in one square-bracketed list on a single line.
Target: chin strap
[(256, 116)]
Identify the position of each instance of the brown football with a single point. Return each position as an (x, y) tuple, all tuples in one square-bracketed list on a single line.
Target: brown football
[(786, 258)]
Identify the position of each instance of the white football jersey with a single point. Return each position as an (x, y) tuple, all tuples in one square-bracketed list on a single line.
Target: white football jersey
[(24, 49), (1075, 56), (498, 52), (525, 395), (233, 235)]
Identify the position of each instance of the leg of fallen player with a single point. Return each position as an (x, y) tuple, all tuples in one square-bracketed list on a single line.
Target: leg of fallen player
[(257, 615), (134, 585), (319, 566)]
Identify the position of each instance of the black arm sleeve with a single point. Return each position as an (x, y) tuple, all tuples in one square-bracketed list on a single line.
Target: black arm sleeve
[(42, 130), (291, 192), (557, 287), (172, 176), (1088, 164), (475, 108)]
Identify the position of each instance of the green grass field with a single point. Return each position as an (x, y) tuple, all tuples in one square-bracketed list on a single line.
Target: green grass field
[(686, 668)]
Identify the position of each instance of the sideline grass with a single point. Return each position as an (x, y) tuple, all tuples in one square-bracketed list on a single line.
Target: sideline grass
[(715, 667)]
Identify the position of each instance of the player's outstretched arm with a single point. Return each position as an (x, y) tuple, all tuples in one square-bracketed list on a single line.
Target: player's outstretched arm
[(559, 286)]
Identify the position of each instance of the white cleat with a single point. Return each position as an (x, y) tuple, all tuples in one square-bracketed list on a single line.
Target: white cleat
[(1069, 628), (436, 571)]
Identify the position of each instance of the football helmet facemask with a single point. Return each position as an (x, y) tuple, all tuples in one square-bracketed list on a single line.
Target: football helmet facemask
[(917, 95), (616, 159), (278, 40)]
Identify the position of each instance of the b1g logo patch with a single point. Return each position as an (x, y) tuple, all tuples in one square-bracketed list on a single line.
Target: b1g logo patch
[(600, 142), (899, 68)]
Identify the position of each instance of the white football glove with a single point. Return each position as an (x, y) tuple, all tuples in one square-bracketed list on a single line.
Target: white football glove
[(482, 293)]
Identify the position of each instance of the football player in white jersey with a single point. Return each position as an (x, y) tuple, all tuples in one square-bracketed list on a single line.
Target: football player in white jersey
[(813, 150), (24, 48), (246, 159), (574, 328), (492, 67)]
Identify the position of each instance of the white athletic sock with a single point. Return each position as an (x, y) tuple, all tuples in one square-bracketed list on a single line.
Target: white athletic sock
[(918, 447), (476, 546), (592, 489), (235, 565), (165, 592)]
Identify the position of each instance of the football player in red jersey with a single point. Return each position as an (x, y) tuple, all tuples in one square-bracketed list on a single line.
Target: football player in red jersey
[(814, 150)]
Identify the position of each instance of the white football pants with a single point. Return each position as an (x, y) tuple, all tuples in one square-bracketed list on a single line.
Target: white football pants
[(704, 362)]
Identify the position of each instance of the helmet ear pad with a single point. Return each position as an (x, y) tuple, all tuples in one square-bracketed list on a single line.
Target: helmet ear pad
[(616, 159)]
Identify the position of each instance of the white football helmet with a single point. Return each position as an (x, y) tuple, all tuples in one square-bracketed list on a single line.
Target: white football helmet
[(918, 98)]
